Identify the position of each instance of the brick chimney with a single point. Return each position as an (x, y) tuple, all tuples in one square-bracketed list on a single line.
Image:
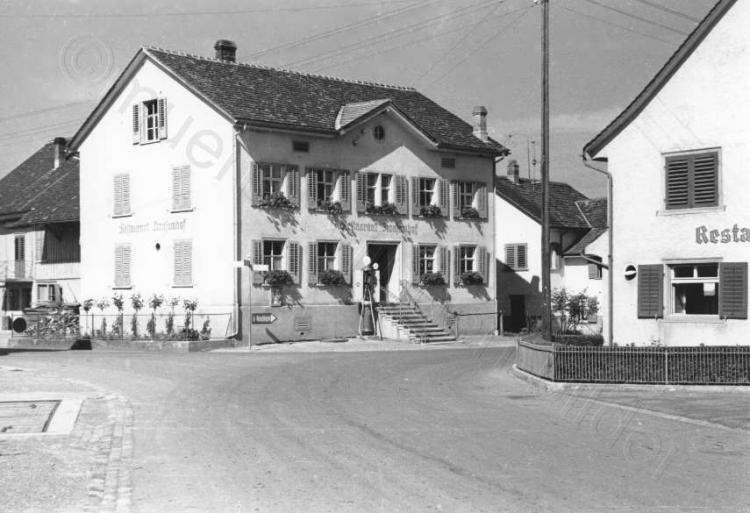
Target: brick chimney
[(226, 50), (513, 171), (480, 122), (59, 151)]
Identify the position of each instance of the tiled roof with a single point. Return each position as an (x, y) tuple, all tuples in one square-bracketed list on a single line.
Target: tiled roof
[(257, 94), (581, 244), (594, 211), (351, 112), (39, 194), (527, 197)]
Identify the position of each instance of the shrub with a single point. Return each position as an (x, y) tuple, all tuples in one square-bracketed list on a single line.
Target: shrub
[(578, 340), (278, 278), (573, 310), (430, 211), (472, 278), (332, 277), (469, 213), (429, 279), (87, 305), (277, 200)]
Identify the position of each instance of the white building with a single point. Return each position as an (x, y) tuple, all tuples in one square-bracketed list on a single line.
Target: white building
[(195, 170), (678, 155), (39, 230), (578, 241)]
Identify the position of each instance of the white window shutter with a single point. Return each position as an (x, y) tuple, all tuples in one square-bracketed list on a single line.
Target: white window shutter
[(122, 265), (402, 195), (312, 263), (480, 190), (454, 200), (294, 261), (39, 245), (136, 123), (161, 108), (444, 262), (443, 197), (456, 265), (183, 263), (347, 262), (181, 188), (257, 185), (510, 256), (361, 192), (415, 195), (292, 184), (257, 257), (415, 276), (312, 188), (345, 191)]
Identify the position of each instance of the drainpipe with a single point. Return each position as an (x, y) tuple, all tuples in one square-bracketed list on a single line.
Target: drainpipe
[(236, 212), (587, 161)]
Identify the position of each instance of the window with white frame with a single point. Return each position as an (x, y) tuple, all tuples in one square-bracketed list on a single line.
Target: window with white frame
[(467, 260), (275, 185), (150, 121), (273, 254), (328, 189), (327, 256), (465, 195), (695, 288), (426, 193), (427, 262), (325, 183), (378, 189), (272, 179), (46, 293)]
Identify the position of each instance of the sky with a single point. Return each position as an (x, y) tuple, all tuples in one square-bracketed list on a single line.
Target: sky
[(60, 56)]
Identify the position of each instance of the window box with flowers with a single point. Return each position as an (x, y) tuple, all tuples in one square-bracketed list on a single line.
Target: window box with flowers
[(472, 278), (277, 200), (386, 209), (278, 278), (432, 279), (430, 211), (331, 278), (469, 213), (333, 208)]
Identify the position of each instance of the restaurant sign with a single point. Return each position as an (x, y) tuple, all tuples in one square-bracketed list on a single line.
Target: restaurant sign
[(155, 226), (704, 235)]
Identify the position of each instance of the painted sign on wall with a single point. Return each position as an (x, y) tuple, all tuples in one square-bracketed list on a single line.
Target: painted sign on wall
[(155, 226), (714, 236)]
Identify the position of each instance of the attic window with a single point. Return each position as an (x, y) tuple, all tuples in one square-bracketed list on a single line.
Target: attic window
[(379, 132), (448, 163), (302, 146)]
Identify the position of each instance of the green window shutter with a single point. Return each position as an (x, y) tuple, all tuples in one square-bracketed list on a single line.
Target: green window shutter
[(136, 123), (444, 262), (292, 184), (402, 194), (257, 195), (650, 291), (294, 261), (361, 179), (312, 263), (415, 277), (345, 190), (733, 290), (312, 188), (444, 197), (678, 182), (161, 107), (480, 190), (183, 263), (705, 180), (347, 260)]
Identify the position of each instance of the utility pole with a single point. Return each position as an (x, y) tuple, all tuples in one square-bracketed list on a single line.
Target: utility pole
[(546, 293)]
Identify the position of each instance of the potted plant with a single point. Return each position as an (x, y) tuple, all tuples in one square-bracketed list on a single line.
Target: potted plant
[(190, 305), (277, 200), (430, 279), (169, 323), (472, 278), (332, 207), (332, 278), (430, 211), (136, 301), (386, 209), (154, 303), (119, 302), (102, 305), (469, 213), (87, 306), (279, 278)]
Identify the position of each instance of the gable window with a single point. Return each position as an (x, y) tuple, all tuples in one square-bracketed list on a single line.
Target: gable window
[(692, 180), (301, 146), (181, 189), (275, 185), (183, 263), (382, 193), (328, 190), (122, 266), (150, 121), (121, 195), (516, 256)]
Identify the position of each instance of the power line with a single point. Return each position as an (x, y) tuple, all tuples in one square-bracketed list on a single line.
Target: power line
[(668, 10), (636, 17), (344, 28), (463, 11), (623, 27), (202, 13), (40, 111)]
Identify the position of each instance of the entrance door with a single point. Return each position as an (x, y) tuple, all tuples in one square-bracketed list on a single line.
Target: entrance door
[(385, 256), (517, 313)]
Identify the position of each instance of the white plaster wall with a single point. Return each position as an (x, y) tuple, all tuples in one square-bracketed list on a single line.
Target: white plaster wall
[(197, 136), (706, 104)]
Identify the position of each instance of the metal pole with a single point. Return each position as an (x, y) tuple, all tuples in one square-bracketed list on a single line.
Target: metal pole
[(546, 293)]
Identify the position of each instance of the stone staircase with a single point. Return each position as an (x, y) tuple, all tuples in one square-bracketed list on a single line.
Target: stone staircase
[(406, 322)]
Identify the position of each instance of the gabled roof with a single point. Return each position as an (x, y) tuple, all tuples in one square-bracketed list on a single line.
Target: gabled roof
[(584, 242), (526, 195), (274, 98), (661, 78), (594, 211), (34, 193), (351, 112)]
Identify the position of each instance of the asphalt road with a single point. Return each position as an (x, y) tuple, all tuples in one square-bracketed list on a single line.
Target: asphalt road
[(426, 430)]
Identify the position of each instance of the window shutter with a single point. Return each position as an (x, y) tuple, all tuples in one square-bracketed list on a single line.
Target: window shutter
[(444, 262), (294, 261), (361, 192), (650, 291), (122, 265), (480, 190), (161, 106), (522, 257), (312, 189), (733, 290), (480, 256), (415, 195), (257, 260), (347, 258), (510, 256), (444, 197), (183, 263), (257, 195), (345, 191), (122, 194), (593, 271), (454, 200), (456, 265), (402, 195), (312, 263), (705, 180), (292, 184), (181, 188), (39, 245), (136, 123), (678, 182), (125, 194), (415, 277)]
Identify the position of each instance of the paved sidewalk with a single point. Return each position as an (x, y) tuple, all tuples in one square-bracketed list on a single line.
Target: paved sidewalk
[(85, 469)]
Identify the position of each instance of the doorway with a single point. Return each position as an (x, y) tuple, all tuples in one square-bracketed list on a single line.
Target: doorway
[(517, 313), (384, 255)]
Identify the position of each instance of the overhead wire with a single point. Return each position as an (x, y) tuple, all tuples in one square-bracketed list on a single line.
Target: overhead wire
[(636, 17), (623, 27), (673, 12)]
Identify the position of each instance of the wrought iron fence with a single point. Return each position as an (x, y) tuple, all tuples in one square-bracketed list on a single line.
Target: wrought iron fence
[(718, 365)]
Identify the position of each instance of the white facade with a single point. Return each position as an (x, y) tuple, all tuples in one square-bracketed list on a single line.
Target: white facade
[(702, 108)]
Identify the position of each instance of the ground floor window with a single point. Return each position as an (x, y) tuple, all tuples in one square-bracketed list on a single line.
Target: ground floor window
[(17, 298), (46, 293), (695, 289), (326, 256), (426, 259)]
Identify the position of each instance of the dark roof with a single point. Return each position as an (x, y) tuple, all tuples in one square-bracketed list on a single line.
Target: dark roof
[(274, 97), (661, 78), (34, 193), (594, 211), (581, 244), (527, 197)]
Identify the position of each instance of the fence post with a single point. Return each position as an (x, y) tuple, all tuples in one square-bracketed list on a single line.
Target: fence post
[(666, 366)]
